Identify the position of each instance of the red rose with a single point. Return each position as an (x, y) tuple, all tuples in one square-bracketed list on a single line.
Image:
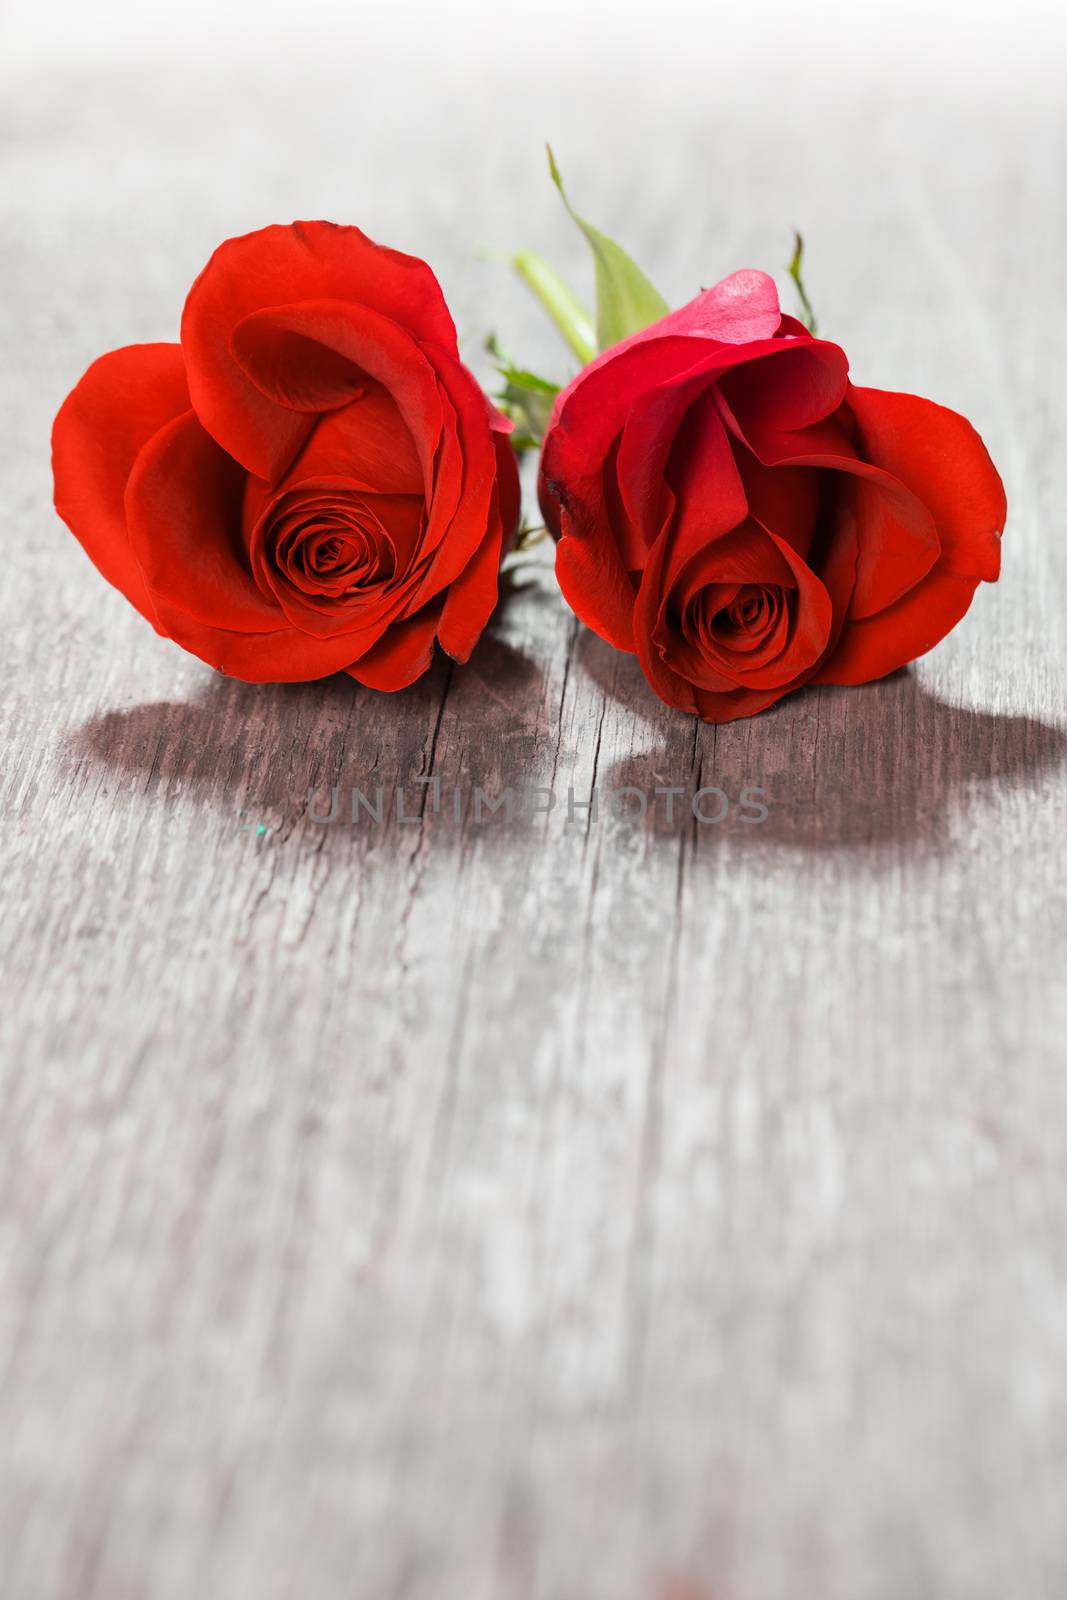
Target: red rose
[(731, 508), (309, 481)]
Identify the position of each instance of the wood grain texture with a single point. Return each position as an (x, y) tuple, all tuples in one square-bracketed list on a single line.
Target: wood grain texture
[(606, 1210)]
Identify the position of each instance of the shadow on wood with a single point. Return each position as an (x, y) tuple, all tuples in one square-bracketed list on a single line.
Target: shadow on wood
[(888, 763)]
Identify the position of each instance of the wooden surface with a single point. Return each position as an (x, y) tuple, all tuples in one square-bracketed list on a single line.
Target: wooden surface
[(535, 1211)]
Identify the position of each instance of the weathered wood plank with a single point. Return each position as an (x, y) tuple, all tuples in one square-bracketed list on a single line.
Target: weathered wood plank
[(541, 1209)]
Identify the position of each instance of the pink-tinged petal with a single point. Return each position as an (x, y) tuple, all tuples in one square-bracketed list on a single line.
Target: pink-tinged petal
[(183, 510), (278, 266), (942, 460), (742, 308), (401, 655), (103, 424), (591, 410), (734, 322), (877, 645)]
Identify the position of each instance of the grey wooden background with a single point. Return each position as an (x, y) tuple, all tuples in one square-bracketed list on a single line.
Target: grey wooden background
[(535, 1212)]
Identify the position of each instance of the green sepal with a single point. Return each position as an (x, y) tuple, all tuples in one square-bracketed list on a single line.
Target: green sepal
[(807, 315)]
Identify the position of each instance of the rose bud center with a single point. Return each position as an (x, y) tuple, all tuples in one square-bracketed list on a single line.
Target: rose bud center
[(328, 551), (724, 620), (332, 552)]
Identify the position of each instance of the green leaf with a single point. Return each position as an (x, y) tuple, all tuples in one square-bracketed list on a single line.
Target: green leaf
[(795, 266), (560, 301), (626, 301), (526, 398), (519, 378)]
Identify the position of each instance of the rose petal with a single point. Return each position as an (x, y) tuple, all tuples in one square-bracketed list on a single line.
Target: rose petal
[(507, 477), (595, 586), (374, 346), (737, 703), (401, 655), (365, 442), (183, 510), (183, 505), (460, 510), (363, 612), (751, 555), (278, 266), (587, 417), (877, 645), (740, 308), (648, 435), (787, 500), (671, 687), (896, 540), (286, 656), (938, 455), (123, 399), (471, 598), (809, 632), (790, 388), (708, 493)]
